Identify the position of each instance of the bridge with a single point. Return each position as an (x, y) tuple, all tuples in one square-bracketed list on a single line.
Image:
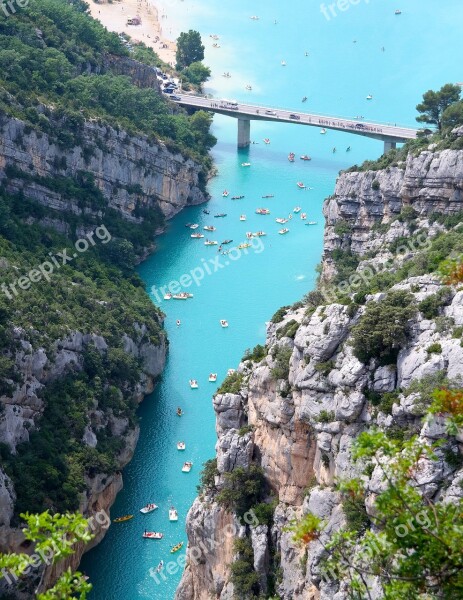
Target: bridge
[(391, 135)]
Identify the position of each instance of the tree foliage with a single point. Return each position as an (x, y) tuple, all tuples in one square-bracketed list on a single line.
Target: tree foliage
[(190, 49), (434, 104)]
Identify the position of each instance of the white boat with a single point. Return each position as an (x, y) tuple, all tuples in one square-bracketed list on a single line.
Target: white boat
[(181, 445), (369, 97), (214, 36), (197, 236), (323, 131), (242, 217), (311, 223), (168, 296), (303, 216), (225, 193), (173, 514), (283, 231), (283, 63), (187, 467), (259, 234), (254, 18), (194, 226), (281, 221), (216, 45), (249, 88), (213, 377), (193, 384), (224, 323), (153, 535), (148, 508), (226, 75), (182, 296), (262, 211), (210, 243), (246, 164), (249, 234), (297, 209), (241, 247), (209, 228), (300, 185), (398, 12)]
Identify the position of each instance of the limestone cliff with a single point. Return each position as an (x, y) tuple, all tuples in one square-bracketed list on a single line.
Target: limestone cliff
[(306, 396)]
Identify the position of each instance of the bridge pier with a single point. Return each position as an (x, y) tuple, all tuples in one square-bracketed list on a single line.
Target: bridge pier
[(389, 146), (244, 133)]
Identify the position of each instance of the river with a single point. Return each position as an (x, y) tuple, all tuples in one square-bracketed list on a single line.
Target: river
[(364, 50)]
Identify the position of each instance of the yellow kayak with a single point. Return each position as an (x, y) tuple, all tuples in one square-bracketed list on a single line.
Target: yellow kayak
[(176, 548), (122, 519)]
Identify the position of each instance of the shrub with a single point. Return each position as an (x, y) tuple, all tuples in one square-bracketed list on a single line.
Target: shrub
[(242, 489), (282, 356), (207, 476), (383, 328), (244, 430), (256, 354), (325, 368), (342, 228), (289, 330), (243, 576), (280, 314), (375, 185), (430, 306), (325, 416), (231, 384), (435, 348), (264, 512)]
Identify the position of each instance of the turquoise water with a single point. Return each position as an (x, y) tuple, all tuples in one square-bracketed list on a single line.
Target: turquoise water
[(337, 76)]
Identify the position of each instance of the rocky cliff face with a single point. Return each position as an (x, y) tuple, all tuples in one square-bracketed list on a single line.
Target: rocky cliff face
[(298, 422)]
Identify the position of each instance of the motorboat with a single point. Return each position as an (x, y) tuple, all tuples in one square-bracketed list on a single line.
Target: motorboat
[(303, 216), (225, 242), (254, 18), (220, 215), (210, 243), (193, 384), (259, 234), (197, 236), (223, 323), (300, 185), (369, 97), (237, 197), (152, 535), (305, 157), (281, 221), (291, 156), (148, 508), (178, 322), (182, 296), (187, 466), (209, 228), (297, 209), (262, 211), (249, 88), (123, 519), (323, 131), (213, 377), (311, 223), (242, 217), (269, 196), (179, 412), (173, 514), (225, 193), (246, 164), (168, 296), (194, 226), (283, 63), (242, 246), (266, 141), (176, 548), (181, 446), (283, 231)]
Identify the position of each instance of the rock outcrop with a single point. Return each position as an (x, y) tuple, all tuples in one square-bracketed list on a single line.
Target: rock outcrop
[(299, 422)]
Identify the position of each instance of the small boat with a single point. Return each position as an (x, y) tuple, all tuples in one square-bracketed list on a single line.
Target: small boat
[(179, 412), (178, 322), (152, 535), (181, 445), (213, 377), (194, 226), (369, 97), (193, 384), (223, 323), (187, 466), (237, 197), (303, 216), (197, 236), (206, 212), (283, 231), (215, 45), (244, 245), (225, 193), (173, 514), (226, 75), (242, 217), (291, 156), (209, 228), (176, 548), (188, 224), (148, 508), (311, 223), (254, 18), (281, 221), (249, 235), (231, 371), (269, 196), (323, 131), (168, 296), (214, 36), (262, 211), (305, 157), (304, 99), (160, 567), (220, 215), (182, 296), (283, 63), (246, 164), (226, 242), (122, 519), (300, 185), (266, 141), (297, 209), (249, 88), (259, 234), (210, 243), (398, 12)]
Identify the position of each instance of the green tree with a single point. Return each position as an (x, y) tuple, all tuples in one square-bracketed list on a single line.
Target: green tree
[(453, 116), (197, 73), (200, 124), (189, 49), (435, 103)]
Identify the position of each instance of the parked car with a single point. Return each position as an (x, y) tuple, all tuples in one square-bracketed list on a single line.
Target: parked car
[(175, 98), (270, 112), (168, 91), (295, 117)]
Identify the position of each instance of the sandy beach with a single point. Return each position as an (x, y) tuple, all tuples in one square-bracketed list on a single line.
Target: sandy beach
[(114, 18)]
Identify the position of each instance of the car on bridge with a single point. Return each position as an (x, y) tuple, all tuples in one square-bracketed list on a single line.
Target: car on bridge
[(270, 112), (175, 98), (295, 117)]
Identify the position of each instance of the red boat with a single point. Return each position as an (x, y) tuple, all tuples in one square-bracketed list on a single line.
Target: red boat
[(152, 535), (291, 156), (300, 185)]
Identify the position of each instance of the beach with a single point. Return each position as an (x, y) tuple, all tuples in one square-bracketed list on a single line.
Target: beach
[(114, 17)]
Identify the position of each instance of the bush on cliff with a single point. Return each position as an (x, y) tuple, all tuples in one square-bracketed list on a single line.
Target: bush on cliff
[(243, 488)]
